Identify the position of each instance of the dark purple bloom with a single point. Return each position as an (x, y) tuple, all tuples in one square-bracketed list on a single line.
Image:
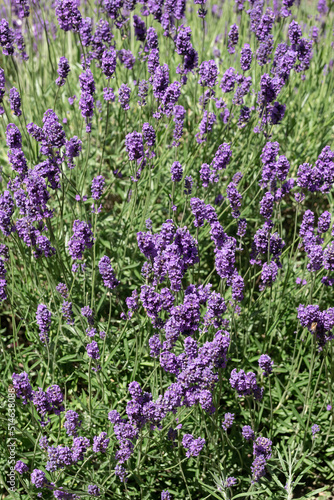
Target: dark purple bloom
[(233, 38), (152, 38), (258, 468), (277, 113), (43, 318), (149, 135), (266, 364), (7, 37), (295, 32), (267, 205), (124, 96), (93, 352), (142, 92), (63, 70), (246, 57), (208, 73), (245, 384), (205, 127), (73, 149), (22, 386), (176, 171), (15, 101), (160, 81), (134, 146), (188, 184), (86, 103), (108, 64), (324, 222), (72, 423), (140, 28), (268, 274), (100, 443), (38, 478), (107, 273), (97, 187), (182, 41), (82, 238), (234, 198), (68, 15), (108, 94), (228, 80), (21, 467)]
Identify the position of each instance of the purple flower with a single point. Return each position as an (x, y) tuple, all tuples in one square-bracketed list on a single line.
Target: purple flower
[(230, 481), (266, 364), (142, 92), (100, 443), (86, 103), (93, 352), (160, 81), (234, 198), (315, 429), (233, 38), (277, 113), (82, 238), (152, 39), (63, 71), (188, 184), (193, 446), (97, 187), (269, 274), (258, 468), (262, 447), (134, 146), (245, 384), (7, 37), (322, 7), (80, 446), (228, 80), (72, 423), (108, 64), (228, 421), (140, 28), (267, 205), (149, 135), (38, 478), (248, 433), (107, 273), (165, 495), (324, 222), (93, 490), (68, 15), (208, 73), (124, 96), (176, 171), (21, 467), (246, 57), (22, 387), (15, 101), (43, 318), (73, 149), (205, 173), (121, 472), (205, 127)]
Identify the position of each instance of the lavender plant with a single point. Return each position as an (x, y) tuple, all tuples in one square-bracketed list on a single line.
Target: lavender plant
[(166, 248)]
